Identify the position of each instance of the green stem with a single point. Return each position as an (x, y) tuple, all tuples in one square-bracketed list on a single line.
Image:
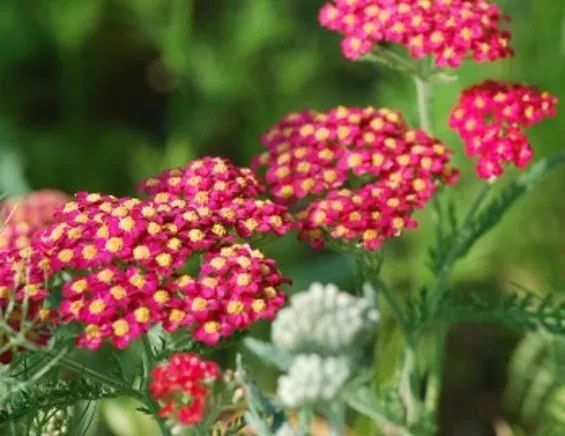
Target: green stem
[(305, 417), (336, 419), (455, 248), (434, 381), (150, 360), (410, 379), (410, 383), (424, 96), (395, 307), (395, 62)]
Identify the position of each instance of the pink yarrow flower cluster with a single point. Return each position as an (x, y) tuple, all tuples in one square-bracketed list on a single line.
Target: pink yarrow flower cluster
[(316, 155), (223, 192), (131, 254), (490, 118), (20, 217), (448, 30), (127, 258), (181, 387)]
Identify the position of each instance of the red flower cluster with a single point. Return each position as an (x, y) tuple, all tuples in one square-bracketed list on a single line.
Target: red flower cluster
[(22, 299), (224, 193), (449, 30), (23, 216), (490, 118), (181, 387), (127, 258), (398, 168)]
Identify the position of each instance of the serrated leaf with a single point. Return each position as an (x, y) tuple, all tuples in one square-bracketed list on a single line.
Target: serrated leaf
[(525, 311), (45, 396), (497, 209)]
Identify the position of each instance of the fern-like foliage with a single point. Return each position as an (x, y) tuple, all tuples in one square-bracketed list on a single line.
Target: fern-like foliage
[(465, 237), (51, 395), (524, 310), (494, 212)]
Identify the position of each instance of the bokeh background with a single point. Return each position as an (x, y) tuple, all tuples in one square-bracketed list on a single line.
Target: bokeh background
[(97, 94)]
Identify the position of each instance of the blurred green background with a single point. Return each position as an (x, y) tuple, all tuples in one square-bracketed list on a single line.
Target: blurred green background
[(98, 94)]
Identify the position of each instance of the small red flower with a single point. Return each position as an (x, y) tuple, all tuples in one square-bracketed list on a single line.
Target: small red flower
[(181, 387), (490, 118)]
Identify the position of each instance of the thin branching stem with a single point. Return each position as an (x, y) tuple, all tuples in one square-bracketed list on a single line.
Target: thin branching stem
[(440, 287)]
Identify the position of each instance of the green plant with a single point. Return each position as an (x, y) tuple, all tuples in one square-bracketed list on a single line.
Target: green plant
[(174, 273)]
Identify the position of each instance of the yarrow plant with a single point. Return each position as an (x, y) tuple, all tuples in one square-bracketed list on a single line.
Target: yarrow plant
[(176, 272), (447, 30)]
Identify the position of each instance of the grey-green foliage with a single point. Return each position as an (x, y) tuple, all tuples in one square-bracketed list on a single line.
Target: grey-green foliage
[(263, 414), (323, 320), (313, 379)]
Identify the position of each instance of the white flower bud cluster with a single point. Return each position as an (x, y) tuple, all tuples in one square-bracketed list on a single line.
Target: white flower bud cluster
[(320, 329), (58, 422), (313, 379), (324, 320)]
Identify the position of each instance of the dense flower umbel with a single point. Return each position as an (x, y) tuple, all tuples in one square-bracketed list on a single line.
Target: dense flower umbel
[(324, 320), (449, 30), (181, 387), (127, 255), (23, 309), (237, 286), (316, 154), (313, 379), (23, 216), (490, 118), (224, 193)]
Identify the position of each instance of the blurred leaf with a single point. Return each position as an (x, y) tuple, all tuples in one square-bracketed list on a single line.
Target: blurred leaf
[(268, 353), (121, 418), (12, 180), (70, 22)]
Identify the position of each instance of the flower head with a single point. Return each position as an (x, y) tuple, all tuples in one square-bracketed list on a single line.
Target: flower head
[(181, 387), (490, 118), (448, 30), (313, 379), (314, 156), (226, 195), (126, 255), (324, 320), (237, 287), (127, 258)]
